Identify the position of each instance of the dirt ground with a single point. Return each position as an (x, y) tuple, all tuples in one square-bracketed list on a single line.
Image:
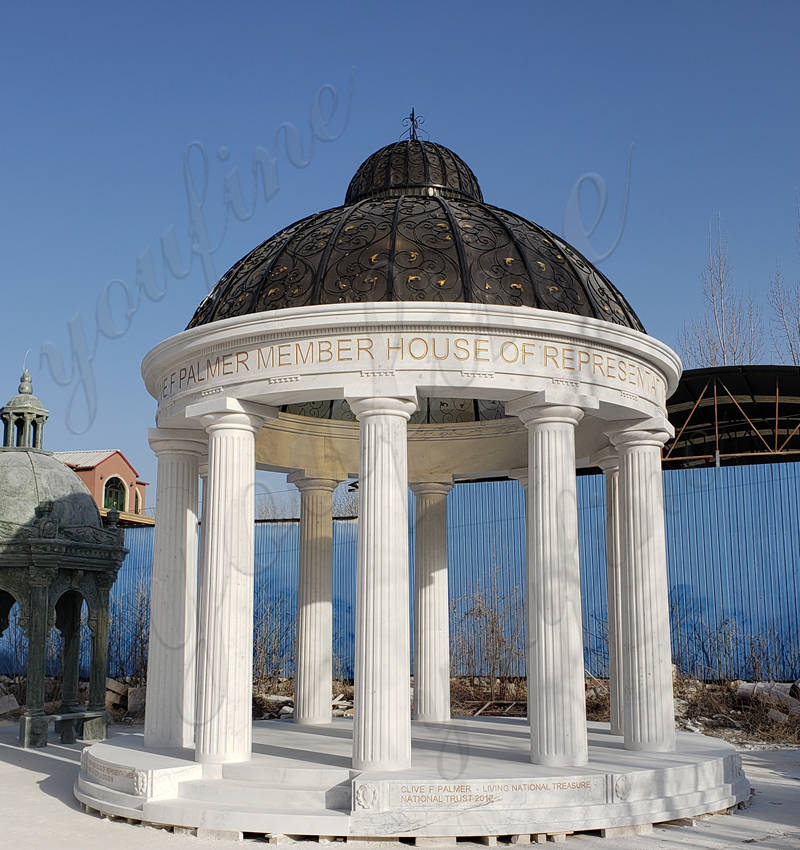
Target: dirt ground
[(712, 708)]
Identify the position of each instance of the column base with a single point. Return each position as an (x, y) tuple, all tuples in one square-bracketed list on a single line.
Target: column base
[(222, 758), (33, 730), (380, 766), (656, 747), (94, 729), (558, 761), (430, 718), (325, 720)]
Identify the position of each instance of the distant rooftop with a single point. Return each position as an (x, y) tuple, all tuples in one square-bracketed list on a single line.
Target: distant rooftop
[(84, 457), (89, 458)]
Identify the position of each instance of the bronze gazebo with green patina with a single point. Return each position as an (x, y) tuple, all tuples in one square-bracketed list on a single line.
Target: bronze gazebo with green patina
[(54, 555)]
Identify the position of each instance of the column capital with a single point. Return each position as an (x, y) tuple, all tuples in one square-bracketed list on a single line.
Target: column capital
[(230, 421), (183, 440), (552, 398), (213, 411), (538, 413), (305, 482), (431, 488), (607, 459), (41, 576), (382, 406), (649, 432)]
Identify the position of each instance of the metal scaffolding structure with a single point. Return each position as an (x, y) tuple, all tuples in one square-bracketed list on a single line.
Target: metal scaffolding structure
[(732, 415)]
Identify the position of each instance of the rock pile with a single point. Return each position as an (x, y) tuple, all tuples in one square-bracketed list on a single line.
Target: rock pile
[(8, 702), (280, 706), (125, 699)]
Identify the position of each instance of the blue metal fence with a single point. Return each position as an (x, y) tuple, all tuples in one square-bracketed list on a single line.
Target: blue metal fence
[(733, 549)]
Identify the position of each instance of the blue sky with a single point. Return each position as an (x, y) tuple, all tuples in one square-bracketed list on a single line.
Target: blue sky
[(103, 106)]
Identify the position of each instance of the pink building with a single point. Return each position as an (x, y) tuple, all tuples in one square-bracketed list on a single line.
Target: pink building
[(112, 481)]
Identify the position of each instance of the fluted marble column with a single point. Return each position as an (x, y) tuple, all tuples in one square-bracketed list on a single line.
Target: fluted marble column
[(172, 654), (382, 720), (649, 715), (609, 463), (431, 605), (201, 536), (225, 632), (203, 471), (314, 624), (556, 690)]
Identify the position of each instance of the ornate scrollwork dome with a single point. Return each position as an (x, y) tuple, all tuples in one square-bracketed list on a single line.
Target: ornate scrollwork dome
[(414, 227)]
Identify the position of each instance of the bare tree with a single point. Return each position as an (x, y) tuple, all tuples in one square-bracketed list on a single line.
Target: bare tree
[(785, 303), (273, 639), (487, 636), (729, 331), (345, 501), (277, 504)]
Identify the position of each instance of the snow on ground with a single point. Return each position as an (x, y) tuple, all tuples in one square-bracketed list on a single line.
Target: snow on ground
[(37, 810)]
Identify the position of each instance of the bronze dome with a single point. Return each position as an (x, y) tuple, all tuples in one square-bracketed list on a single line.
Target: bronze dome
[(414, 227)]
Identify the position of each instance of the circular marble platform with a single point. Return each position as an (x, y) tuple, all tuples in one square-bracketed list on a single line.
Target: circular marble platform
[(470, 777)]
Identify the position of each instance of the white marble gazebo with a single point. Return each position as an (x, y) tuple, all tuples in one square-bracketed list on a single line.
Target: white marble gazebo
[(410, 338)]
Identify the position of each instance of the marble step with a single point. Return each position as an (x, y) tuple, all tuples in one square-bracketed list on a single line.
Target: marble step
[(228, 815), (267, 795), (107, 800), (258, 770)]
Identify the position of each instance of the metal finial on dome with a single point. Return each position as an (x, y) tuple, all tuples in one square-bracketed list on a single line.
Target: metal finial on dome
[(412, 123)]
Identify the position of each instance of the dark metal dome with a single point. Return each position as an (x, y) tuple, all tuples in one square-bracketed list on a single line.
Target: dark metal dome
[(415, 228)]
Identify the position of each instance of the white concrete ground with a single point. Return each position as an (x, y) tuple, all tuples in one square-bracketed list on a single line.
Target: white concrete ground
[(37, 809)]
